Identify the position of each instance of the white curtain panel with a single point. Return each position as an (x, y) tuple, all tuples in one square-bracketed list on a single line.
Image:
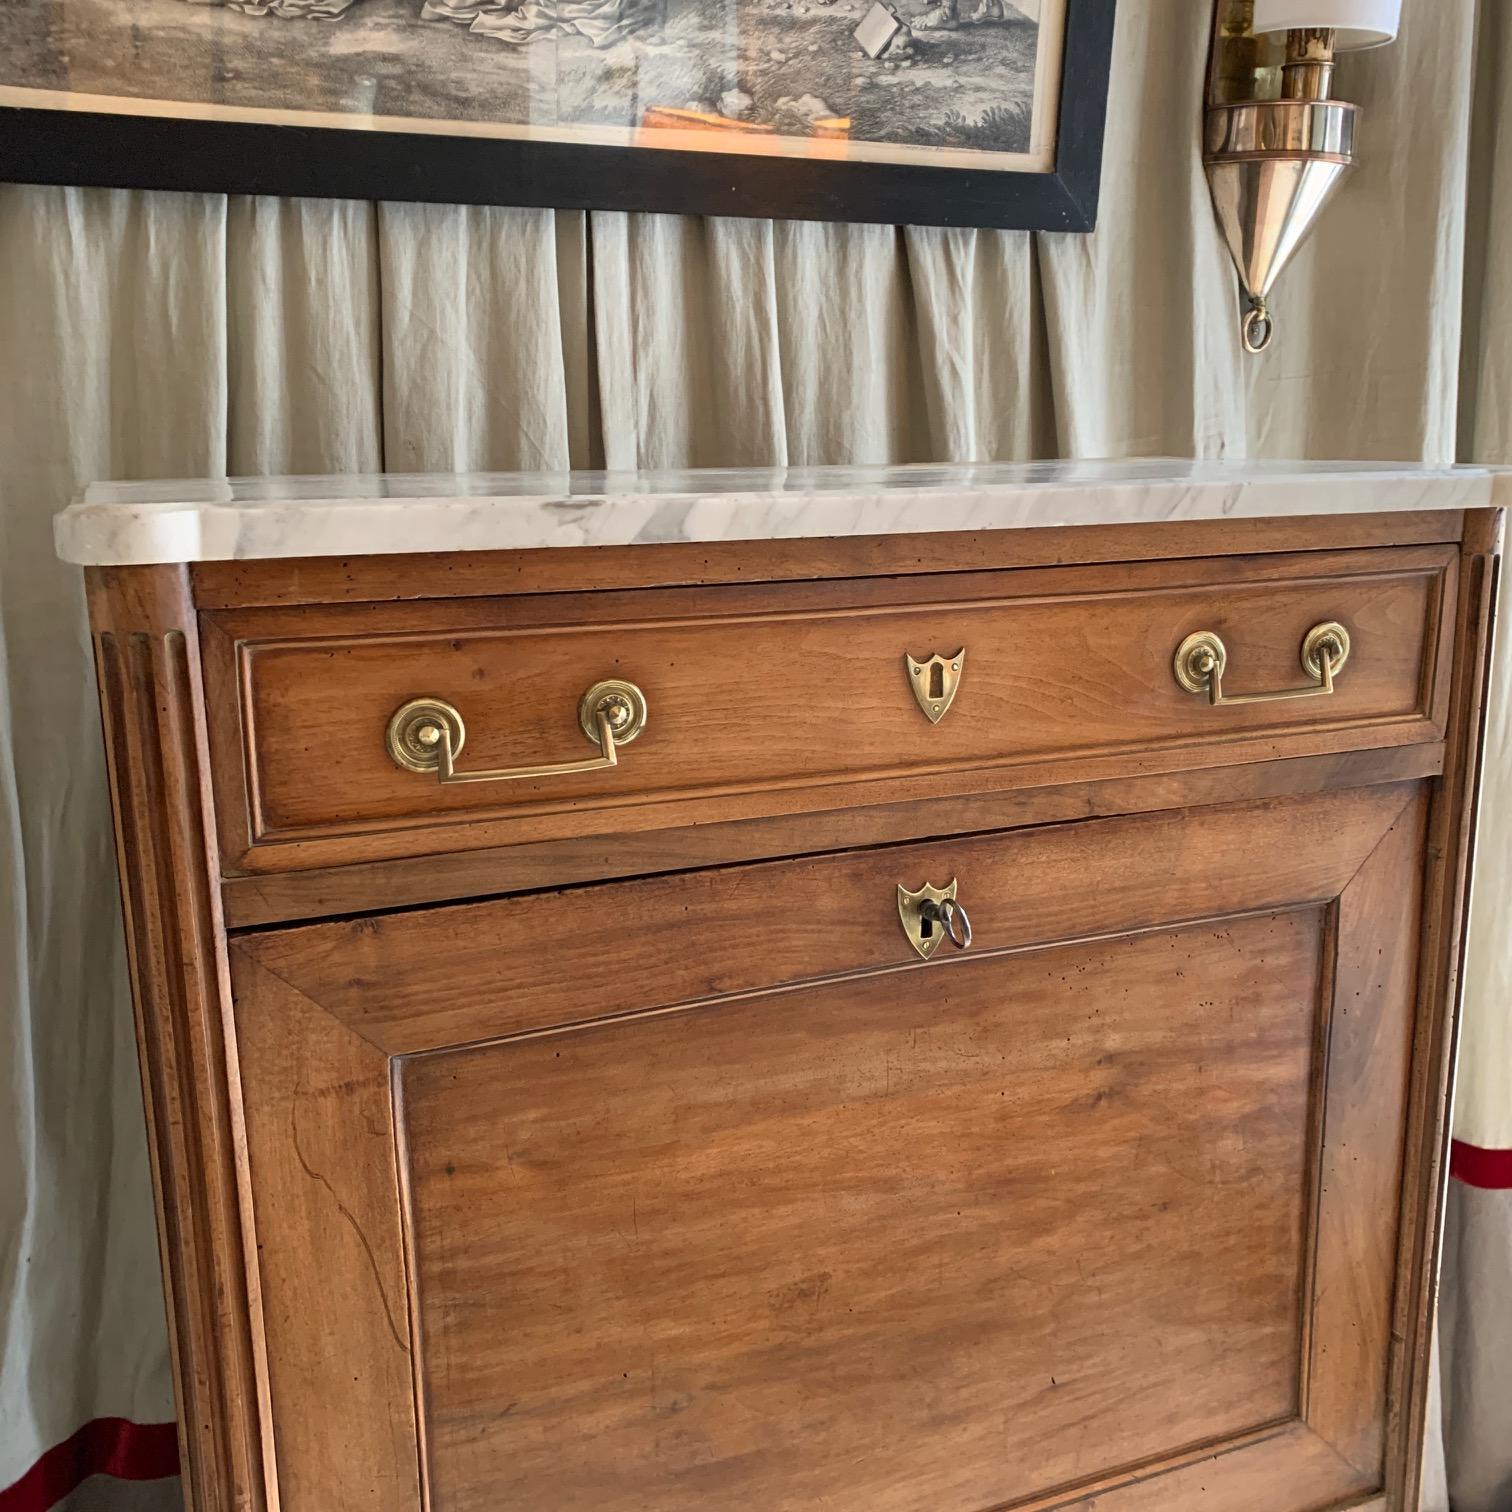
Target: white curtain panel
[(174, 335)]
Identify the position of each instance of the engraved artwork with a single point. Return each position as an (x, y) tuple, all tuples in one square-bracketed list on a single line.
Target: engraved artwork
[(971, 82)]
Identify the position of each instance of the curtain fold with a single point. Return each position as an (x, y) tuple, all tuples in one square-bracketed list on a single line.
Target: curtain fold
[(303, 335), (189, 335), (109, 304)]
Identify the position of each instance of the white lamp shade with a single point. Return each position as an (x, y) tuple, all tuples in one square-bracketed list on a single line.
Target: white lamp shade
[(1360, 23)]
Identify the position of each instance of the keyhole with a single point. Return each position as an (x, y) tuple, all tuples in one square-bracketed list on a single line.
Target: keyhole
[(937, 681), (926, 925)]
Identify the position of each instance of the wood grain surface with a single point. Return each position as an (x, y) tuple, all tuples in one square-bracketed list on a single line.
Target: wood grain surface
[(922, 1241), (371, 887), (147, 663), (463, 574), (770, 701), (638, 1123)]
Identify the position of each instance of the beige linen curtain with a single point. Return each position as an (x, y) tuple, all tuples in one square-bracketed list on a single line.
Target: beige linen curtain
[(174, 335)]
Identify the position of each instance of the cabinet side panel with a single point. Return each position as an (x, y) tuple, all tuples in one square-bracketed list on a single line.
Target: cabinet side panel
[(147, 660), (1451, 837)]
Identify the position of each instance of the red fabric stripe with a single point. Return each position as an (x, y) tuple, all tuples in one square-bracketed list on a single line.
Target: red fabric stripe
[(107, 1446), (1475, 1166)]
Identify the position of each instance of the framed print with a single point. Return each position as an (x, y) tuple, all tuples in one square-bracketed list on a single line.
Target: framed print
[(934, 112)]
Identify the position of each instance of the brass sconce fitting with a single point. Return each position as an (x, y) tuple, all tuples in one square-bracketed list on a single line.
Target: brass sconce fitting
[(1276, 145)]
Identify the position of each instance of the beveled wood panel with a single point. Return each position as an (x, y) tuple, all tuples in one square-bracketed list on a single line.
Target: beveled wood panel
[(335, 1316), (918, 1242), (1366, 1075), (1143, 1019), (684, 938), (776, 701)]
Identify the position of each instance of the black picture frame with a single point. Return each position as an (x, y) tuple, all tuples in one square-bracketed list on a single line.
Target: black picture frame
[(42, 146)]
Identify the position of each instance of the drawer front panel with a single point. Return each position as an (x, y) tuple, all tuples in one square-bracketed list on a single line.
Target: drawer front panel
[(559, 1209), (784, 699)]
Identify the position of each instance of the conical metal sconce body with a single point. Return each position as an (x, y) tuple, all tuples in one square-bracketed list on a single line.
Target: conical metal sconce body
[(1265, 208), (1271, 166)]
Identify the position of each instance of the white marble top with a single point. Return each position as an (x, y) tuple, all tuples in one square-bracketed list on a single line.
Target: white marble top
[(119, 524)]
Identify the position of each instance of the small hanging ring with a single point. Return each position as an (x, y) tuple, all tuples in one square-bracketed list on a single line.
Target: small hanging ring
[(1257, 327), (956, 921)]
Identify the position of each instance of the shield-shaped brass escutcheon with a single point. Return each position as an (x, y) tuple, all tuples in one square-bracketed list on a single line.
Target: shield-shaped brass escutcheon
[(934, 682), (923, 934)]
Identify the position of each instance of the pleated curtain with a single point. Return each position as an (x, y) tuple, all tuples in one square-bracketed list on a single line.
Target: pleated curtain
[(156, 335)]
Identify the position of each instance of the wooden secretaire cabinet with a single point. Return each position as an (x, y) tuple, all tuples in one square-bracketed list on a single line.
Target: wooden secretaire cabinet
[(879, 1021)]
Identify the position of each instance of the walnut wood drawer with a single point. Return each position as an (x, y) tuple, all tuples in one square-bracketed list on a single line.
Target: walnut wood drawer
[(793, 698)]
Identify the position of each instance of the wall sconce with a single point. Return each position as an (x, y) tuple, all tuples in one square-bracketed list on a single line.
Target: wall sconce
[(1275, 143)]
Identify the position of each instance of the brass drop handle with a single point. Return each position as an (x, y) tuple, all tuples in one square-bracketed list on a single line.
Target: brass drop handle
[(426, 735), (1201, 660)]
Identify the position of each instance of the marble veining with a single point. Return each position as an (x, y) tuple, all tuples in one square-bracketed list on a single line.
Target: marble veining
[(122, 524)]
